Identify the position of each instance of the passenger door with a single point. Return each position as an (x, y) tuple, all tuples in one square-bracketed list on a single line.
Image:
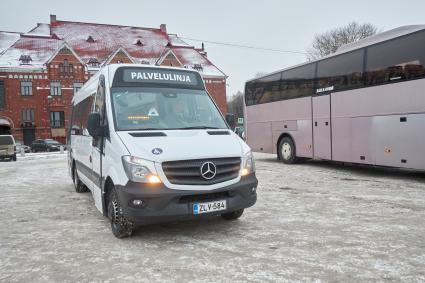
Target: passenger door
[(322, 126), (98, 145)]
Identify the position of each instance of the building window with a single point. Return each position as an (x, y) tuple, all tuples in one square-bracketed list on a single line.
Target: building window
[(66, 68), (28, 115), (77, 87), (2, 96), (57, 119), (26, 88), (55, 89), (25, 59)]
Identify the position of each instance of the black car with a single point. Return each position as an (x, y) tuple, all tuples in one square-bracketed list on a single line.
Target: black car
[(46, 145)]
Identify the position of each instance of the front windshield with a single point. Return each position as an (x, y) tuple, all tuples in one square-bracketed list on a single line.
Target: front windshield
[(164, 109), (51, 142)]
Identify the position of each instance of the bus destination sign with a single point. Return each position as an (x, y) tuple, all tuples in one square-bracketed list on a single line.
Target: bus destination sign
[(151, 75)]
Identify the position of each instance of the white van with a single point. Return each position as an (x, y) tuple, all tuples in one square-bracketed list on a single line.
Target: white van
[(152, 146)]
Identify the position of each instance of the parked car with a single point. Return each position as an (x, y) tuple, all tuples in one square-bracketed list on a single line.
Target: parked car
[(7, 147), (20, 145), (46, 145)]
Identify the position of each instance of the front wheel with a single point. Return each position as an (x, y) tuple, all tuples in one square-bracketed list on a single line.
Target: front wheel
[(233, 215), (14, 157), (287, 151), (120, 226)]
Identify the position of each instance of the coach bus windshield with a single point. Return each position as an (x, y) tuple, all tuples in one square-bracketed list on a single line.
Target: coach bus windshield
[(164, 109)]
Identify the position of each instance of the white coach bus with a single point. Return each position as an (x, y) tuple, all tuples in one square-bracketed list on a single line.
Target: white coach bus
[(152, 146)]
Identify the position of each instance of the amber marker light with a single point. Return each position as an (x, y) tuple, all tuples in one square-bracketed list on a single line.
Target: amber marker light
[(154, 179), (244, 172)]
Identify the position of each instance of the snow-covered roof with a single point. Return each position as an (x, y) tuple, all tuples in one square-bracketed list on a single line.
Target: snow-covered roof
[(39, 49), (7, 39), (101, 41)]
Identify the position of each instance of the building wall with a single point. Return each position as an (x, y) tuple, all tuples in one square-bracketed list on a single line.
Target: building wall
[(39, 101), (216, 87)]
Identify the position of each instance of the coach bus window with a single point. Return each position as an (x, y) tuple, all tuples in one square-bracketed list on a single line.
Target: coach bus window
[(298, 82), (263, 90), (341, 72), (396, 60), (271, 88), (249, 93)]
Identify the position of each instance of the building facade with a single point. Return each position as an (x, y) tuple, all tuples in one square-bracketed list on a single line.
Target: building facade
[(40, 71)]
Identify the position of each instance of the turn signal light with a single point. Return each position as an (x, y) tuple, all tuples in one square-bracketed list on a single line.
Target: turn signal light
[(154, 179)]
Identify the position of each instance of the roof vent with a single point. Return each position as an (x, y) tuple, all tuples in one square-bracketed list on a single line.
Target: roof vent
[(90, 39), (139, 43), (198, 67), (25, 59), (168, 44)]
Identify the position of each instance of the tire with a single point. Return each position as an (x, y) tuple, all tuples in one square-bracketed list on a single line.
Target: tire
[(233, 215), (78, 185), (120, 226), (287, 151), (14, 157)]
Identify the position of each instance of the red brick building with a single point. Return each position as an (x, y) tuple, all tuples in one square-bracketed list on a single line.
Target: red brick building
[(41, 70)]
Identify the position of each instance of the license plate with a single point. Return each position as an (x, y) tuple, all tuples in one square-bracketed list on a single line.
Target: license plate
[(207, 207)]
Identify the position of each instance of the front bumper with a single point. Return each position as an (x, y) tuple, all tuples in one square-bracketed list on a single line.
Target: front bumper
[(161, 204)]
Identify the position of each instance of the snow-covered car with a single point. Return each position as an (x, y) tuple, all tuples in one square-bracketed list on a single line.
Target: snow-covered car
[(20, 145), (46, 145)]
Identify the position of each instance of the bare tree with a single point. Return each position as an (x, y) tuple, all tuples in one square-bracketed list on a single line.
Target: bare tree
[(235, 105), (329, 42)]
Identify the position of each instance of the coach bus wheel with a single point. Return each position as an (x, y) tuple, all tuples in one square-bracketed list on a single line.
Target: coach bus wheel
[(287, 150), (120, 226), (78, 185), (233, 215)]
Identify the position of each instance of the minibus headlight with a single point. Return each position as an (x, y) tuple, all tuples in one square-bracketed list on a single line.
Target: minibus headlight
[(137, 170), (248, 164)]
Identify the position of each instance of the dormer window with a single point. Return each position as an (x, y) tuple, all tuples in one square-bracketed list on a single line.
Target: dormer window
[(25, 59), (198, 67), (66, 68), (139, 43), (90, 39), (93, 62)]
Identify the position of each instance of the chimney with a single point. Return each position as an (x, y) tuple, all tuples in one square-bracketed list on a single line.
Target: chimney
[(52, 19), (203, 47), (163, 28)]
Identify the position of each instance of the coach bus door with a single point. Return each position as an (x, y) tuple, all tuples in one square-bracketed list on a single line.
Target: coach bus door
[(322, 126), (98, 146)]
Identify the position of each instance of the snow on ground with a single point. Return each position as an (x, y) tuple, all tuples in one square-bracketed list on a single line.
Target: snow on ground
[(313, 222)]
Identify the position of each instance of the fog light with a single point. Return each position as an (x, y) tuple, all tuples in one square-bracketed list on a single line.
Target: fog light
[(244, 172), (137, 202)]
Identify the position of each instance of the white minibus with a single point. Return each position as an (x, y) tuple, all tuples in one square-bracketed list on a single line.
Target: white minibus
[(152, 146)]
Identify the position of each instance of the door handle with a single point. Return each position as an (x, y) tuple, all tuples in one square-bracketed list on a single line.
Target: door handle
[(90, 158), (315, 124), (326, 123)]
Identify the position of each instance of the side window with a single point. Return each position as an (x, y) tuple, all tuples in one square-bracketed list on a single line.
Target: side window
[(298, 82), (270, 87), (342, 72), (99, 104), (396, 60)]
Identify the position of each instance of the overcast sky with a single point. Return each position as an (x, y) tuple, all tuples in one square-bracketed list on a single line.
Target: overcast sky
[(279, 24)]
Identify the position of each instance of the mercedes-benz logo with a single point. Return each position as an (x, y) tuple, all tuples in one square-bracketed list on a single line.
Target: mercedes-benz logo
[(208, 170)]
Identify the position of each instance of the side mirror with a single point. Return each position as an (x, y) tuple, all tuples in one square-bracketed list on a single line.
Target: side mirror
[(93, 124), (231, 120)]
